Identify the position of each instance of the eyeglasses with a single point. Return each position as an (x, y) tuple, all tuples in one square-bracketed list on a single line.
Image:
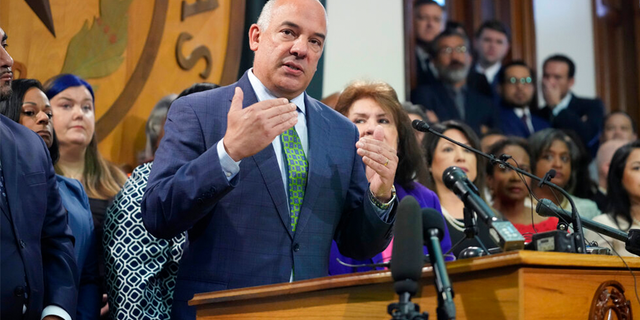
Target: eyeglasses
[(514, 80), (449, 50)]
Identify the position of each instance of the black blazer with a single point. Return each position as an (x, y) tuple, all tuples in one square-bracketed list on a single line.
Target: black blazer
[(424, 76), (584, 116), (36, 242), (479, 110)]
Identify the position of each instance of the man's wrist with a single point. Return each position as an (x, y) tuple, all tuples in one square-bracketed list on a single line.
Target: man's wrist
[(384, 205)]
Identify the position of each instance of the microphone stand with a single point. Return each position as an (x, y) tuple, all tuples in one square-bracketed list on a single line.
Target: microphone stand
[(470, 231), (575, 218)]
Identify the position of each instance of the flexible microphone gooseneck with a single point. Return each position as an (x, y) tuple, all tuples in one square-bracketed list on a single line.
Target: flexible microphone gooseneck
[(547, 208), (407, 259), (503, 233), (433, 229), (575, 218)]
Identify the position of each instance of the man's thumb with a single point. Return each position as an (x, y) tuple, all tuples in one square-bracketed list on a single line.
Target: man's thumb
[(378, 133), (236, 102)]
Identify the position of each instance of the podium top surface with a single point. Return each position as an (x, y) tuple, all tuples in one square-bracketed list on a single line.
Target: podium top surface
[(529, 259)]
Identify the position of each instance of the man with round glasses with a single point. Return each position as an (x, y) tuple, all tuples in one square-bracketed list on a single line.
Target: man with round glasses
[(516, 88)]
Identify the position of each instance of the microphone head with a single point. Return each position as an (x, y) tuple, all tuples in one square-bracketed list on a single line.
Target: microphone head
[(547, 208), (552, 174), (633, 242), (420, 125), (470, 252), (407, 256), (432, 219), (452, 175)]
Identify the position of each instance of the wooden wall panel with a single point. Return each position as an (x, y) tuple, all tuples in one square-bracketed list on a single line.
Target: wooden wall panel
[(616, 28)]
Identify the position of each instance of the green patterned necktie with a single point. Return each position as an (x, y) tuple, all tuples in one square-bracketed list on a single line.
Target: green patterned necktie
[(297, 166)]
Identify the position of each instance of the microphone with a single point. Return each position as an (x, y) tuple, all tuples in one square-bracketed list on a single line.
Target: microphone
[(421, 125), (503, 233), (433, 228), (547, 177), (547, 208), (407, 255), (407, 259)]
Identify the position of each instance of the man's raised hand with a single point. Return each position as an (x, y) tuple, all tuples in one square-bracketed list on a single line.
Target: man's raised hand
[(251, 129)]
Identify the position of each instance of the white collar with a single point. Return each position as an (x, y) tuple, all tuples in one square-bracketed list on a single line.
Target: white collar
[(490, 72)]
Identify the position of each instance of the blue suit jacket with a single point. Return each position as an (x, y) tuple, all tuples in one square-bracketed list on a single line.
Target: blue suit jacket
[(239, 232), (479, 109), (75, 200), (36, 242), (512, 125), (582, 115)]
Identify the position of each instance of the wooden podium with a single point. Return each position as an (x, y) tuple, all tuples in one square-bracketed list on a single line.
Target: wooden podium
[(513, 285)]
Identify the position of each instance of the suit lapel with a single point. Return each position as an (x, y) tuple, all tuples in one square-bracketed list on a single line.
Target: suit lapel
[(267, 163), (319, 139), (9, 158)]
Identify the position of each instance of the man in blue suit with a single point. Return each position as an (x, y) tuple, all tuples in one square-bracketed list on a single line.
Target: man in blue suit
[(38, 276), (564, 109), (263, 176), (517, 89)]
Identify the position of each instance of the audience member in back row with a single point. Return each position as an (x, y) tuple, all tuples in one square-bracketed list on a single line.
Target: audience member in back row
[(369, 105), (72, 103), (441, 154), (564, 109), (155, 125), (489, 138), (450, 98), (618, 125), (603, 162), (141, 287), (29, 106), (492, 45), (554, 149), (508, 189), (517, 92), (623, 186), (415, 112), (428, 22)]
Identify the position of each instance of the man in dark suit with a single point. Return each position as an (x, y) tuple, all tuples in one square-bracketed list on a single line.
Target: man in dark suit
[(428, 22), (263, 176), (492, 45), (38, 276), (564, 109), (516, 90), (450, 97)]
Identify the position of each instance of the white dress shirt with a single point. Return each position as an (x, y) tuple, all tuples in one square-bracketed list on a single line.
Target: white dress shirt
[(491, 72)]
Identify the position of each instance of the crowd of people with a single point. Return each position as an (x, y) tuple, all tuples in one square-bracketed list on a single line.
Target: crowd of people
[(258, 183)]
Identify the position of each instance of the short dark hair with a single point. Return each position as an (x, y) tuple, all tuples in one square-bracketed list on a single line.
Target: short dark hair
[(503, 70), (433, 48), (197, 87), (498, 148), (496, 25), (562, 58), (453, 25), (13, 108), (419, 3), (617, 196), (634, 125)]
